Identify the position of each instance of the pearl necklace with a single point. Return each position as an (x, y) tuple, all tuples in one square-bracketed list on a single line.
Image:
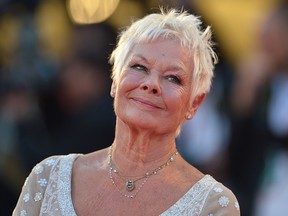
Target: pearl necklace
[(129, 182)]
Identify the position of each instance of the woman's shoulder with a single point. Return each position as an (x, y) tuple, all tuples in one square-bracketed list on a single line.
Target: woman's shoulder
[(41, 172), (206, 197), (220, 200), (43, 169), (53, 161), (40, 178)]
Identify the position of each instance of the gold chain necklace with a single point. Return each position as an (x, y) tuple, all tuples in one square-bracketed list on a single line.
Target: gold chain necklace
[(129, 182)]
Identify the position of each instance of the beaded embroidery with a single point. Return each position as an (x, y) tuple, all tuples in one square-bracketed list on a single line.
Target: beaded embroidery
[(56, 198)]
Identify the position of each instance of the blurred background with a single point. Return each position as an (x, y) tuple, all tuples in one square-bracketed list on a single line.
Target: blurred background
[(55, 82)]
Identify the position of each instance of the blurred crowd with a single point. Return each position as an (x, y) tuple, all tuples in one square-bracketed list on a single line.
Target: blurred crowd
[(54, 99)]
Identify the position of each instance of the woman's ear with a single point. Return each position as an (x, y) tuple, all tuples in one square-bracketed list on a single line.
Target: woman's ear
[(113, 89), (194, 106)]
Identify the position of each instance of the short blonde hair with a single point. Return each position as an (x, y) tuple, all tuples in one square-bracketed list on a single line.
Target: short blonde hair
[(176, 24)]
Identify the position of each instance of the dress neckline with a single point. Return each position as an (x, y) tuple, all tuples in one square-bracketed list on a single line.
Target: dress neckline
[(65, 189)]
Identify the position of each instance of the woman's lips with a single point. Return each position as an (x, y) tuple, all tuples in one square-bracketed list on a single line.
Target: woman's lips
[(146, 102)]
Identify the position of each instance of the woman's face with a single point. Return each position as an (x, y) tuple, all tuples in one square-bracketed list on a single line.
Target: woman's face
[(155, 86)]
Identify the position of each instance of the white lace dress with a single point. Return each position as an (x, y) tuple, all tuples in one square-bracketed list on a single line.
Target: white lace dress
[(47, 191)]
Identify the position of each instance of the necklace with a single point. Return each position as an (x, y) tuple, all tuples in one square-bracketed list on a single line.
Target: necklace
[(129, 182)]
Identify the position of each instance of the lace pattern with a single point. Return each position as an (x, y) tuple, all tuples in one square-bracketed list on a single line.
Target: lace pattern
[(57, 200), (64, 185), (47, 191), (192, 202)]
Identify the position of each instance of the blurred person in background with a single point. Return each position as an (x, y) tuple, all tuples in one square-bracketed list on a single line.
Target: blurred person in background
[(162, 71), (272, 195), (260, 122), (50, 103), (77, 112), (16, 103), (23, 69)]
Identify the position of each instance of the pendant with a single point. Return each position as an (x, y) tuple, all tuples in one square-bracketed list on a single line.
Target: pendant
[(130, 185)]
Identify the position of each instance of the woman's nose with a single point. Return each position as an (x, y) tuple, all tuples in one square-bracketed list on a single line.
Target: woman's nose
[(151, 84)]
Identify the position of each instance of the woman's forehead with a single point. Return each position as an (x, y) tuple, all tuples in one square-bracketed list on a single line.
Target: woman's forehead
[(169, 50)]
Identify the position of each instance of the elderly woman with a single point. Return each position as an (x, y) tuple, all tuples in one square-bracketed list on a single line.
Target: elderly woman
[(162, 70)]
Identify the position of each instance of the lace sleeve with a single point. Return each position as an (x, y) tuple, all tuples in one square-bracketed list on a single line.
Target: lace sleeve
[(221, 202), (33, 190)]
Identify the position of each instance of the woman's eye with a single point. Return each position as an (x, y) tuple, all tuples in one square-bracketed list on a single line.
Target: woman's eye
[(139, 67), (174, 79)]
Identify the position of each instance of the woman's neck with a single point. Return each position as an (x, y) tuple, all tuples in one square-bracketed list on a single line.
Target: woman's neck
[(135, 151)]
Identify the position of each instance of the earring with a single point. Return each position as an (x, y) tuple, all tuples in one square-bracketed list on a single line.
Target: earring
[(188, 116), (112, 93)]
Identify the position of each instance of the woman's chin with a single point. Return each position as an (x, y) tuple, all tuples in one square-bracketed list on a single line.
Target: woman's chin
[(140, 121)]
